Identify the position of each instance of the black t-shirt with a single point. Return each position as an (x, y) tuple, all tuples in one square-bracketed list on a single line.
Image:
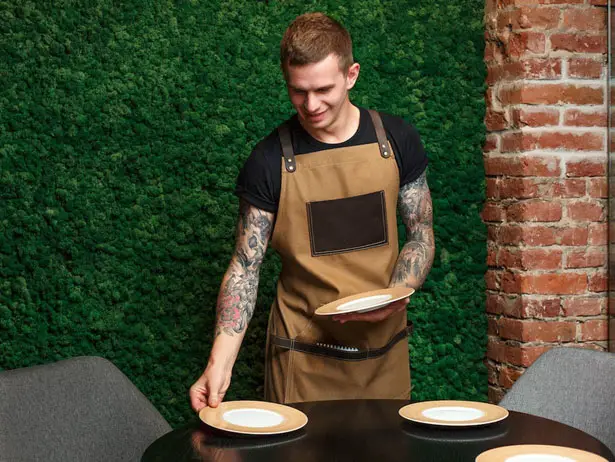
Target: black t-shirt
[(260, 180)]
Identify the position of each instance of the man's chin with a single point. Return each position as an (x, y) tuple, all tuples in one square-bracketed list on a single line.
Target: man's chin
[(319, 123)]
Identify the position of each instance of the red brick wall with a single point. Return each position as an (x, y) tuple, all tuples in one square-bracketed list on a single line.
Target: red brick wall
[(545, 161)]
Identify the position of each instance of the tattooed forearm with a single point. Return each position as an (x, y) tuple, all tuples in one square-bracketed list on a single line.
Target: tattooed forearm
[(237, 296), (416, 257)]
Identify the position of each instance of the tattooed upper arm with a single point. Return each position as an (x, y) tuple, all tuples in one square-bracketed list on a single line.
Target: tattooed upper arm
[(254, 228), (237, 296), (416, 257), (415, 204)]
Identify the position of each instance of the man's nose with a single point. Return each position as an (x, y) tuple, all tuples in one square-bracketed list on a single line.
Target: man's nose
[(311, 103)]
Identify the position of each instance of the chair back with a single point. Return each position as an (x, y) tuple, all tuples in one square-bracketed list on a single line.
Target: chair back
[(80, 409), (571, 385)]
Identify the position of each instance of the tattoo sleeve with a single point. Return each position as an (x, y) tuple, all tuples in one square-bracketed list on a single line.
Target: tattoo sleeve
[(416, 257), (237, 297)]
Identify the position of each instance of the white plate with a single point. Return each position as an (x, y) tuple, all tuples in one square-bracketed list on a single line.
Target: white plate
[(539, 458), (537, 453), (453, 413), (253, 417), (365, 301)]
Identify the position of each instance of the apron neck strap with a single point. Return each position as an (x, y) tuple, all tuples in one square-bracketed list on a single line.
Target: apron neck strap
[(287, 148), (380, 134)]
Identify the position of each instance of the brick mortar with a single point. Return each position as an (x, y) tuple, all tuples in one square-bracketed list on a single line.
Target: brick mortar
[(507, 202), (546, 153), (563, 248), (519, 344), (596, 84), (536, 272), (579, 320)]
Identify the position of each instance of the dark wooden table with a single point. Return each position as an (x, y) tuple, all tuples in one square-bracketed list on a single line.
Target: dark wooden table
[(365, 430)]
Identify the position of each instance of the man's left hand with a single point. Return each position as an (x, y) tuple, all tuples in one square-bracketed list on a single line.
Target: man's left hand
[(376, 315)]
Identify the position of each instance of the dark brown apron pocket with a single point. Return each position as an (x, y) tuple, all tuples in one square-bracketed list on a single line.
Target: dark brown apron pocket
[(344, 225)]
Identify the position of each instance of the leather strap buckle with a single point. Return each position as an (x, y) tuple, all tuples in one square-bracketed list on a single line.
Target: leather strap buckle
[(287, 148), (383, 144)]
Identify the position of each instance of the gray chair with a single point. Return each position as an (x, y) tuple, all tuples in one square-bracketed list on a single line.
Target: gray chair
[(572, 386), (80, 409)]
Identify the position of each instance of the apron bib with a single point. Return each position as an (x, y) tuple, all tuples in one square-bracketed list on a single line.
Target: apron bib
[(336, 233)]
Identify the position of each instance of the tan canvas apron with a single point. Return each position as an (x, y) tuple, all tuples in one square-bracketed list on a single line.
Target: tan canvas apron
[(336, 233)]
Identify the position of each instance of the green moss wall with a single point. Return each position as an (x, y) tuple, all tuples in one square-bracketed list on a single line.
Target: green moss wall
[(123, 126)]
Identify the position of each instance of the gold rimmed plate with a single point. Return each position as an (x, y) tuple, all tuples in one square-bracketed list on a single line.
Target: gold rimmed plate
[(365, 301), (253, 418), (537, 453), (450, 413)]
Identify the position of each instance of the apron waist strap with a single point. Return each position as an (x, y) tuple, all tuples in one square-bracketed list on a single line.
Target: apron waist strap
[(340, 352)]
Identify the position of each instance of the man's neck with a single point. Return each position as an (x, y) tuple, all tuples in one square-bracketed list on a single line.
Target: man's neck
[(342, 129)]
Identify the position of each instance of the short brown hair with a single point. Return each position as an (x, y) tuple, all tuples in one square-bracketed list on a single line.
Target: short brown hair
[(312, 37)]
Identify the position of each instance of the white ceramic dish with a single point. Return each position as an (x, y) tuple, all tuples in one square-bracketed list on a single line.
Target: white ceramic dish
[(365, 301), (453, 413), (537, 453), (253, 417)]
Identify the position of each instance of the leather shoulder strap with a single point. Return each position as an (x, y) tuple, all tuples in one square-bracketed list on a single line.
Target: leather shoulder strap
[(287, 148), (383, 144)]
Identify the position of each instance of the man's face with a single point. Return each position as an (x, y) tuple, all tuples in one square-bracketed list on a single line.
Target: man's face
[(319, 91)]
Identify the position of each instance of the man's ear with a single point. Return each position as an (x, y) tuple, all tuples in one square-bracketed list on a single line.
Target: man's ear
[(352, 75)]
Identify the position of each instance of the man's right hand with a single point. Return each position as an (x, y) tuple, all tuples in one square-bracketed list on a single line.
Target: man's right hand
[(210, 388)]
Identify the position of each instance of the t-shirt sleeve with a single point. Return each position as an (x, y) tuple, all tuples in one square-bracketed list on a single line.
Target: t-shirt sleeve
[(409, 149), (255, 182)]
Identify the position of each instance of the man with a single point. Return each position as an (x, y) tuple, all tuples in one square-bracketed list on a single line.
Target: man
[(324, 187)]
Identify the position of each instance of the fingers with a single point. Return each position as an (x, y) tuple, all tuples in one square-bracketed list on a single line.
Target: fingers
[(198, 398), (217, 387), (400, 305), (202, 398), (215, 398), (216, 394), (374, 316), (197, 404), (209, 390)]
